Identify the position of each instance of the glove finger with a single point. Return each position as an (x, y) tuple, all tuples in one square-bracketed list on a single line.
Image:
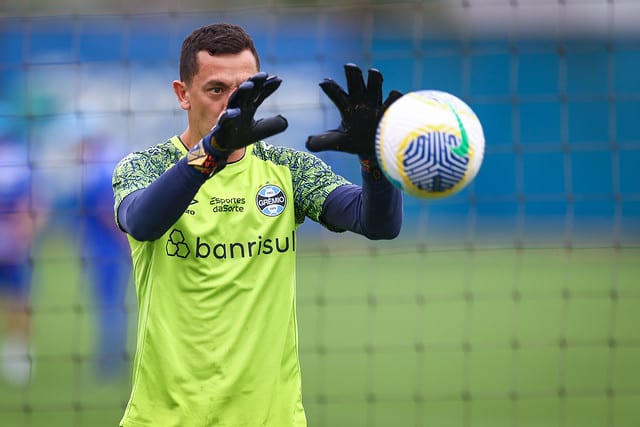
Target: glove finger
[(270, 85), (258, 81), (355, 83), (229, 113), (394, 95), (373, 95), (246, 91), (264, 128), (336, 94), (332, 140), (258, 78), (241, 95)]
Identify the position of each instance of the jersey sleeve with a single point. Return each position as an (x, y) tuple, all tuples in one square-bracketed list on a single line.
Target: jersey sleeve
[(313, 181), (139, 169)]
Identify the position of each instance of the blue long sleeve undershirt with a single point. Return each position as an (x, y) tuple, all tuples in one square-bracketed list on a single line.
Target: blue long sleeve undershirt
[(373, 210)]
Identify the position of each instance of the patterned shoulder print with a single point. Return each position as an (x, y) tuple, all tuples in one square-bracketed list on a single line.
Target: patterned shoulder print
[(139, 169), (312, 178)]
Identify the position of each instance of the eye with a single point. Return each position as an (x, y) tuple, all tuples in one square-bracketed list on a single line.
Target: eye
[(216, 90)]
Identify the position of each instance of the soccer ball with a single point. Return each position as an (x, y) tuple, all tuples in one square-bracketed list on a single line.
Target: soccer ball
[(430, 144)]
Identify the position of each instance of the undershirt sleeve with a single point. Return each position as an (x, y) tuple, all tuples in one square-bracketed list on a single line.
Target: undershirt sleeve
[(373, 210)]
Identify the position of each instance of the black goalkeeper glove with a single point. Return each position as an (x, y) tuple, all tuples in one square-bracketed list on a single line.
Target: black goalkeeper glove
[(360, 110), (236, 127)]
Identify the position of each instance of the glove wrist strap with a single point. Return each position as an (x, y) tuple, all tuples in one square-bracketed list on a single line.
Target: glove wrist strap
[(207, 162), (369, 166)]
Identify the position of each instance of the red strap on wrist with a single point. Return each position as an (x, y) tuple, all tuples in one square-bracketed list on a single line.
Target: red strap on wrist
[(371, 167), (203, 161)]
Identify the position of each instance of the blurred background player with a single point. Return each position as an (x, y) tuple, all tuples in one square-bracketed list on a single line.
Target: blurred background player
[(105, 256), (19, 226)]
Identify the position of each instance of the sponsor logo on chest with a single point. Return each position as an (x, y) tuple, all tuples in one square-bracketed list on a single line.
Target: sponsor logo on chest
[(270, 200)]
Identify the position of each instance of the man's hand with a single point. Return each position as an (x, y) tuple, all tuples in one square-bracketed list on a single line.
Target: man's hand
[(236, 127), (360, 110)]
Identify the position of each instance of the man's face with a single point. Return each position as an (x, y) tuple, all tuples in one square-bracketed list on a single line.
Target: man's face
[(217, 78)]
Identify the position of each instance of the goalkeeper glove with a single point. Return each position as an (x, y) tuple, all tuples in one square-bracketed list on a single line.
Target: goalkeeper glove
[(236, 127), (360, 110)]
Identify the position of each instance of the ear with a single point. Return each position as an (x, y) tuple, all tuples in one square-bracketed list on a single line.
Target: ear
[(180, 88)]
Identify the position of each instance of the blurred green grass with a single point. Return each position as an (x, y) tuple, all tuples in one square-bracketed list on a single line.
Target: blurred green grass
[(493, 337), (392, 337)]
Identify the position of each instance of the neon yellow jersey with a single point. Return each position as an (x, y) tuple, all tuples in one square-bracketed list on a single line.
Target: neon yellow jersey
[(217, 334)]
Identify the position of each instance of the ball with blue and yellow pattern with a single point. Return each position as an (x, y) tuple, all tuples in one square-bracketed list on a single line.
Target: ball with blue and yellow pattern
[(430, 144)]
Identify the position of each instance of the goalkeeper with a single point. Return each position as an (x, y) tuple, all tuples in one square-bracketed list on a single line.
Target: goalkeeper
[(211, 217)]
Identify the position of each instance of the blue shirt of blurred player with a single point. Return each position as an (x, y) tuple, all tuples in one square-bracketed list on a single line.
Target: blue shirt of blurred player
[(105, 255), (16, 230), (19, 224)]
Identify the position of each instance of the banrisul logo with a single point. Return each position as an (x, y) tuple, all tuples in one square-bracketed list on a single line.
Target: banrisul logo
[(181, 246), (271, 200), (177, 245)]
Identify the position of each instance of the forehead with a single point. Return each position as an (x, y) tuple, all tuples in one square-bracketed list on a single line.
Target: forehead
[(228, 67)]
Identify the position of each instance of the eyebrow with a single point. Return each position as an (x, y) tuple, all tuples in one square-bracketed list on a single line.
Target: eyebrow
[(217, 83)]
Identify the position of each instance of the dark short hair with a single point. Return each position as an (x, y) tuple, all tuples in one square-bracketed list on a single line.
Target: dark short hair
[(216, 39)]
